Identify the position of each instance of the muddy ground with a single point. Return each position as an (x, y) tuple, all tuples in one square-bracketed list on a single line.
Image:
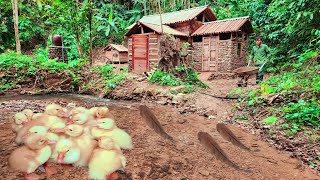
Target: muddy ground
[(156, 158)]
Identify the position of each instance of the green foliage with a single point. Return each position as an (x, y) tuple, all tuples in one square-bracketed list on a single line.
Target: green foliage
[(109, 78), (299, 88), (19, 67), (270, 120), (189, 78), (165, 79), (303, 113)]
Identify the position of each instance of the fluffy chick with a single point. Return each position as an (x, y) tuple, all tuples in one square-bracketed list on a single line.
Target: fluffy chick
[(107, 128), (84, 142), (106, 159), (28, 158)]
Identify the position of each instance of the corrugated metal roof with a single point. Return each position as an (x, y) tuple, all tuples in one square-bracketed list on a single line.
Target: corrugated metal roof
[(224, 26), (119, 48), (178, 16), (166, 29)]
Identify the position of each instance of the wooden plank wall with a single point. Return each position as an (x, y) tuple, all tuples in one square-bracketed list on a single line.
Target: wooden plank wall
[(140, 53), (130, 49), (123, 57), (154, 49)]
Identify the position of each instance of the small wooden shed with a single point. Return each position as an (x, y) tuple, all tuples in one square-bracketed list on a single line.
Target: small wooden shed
[(116, 53), (220, 46), (144, 35)]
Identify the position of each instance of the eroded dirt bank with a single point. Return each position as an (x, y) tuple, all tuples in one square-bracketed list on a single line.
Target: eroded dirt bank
[(156, 158)]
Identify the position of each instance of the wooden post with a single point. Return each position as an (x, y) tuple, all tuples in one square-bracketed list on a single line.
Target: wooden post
[(15, 24), (203, 18), (160, 17), (202, 54), (242, 43), (132, 53)]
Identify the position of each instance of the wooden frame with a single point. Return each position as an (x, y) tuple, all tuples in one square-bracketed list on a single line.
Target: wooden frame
[(140, 58)]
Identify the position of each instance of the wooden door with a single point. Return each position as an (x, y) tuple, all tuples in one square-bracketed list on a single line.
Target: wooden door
[(214, 40), (140, 60), (205, 54), (210, 53)]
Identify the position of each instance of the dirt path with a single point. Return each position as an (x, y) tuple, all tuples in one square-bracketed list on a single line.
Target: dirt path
[(156, 158)]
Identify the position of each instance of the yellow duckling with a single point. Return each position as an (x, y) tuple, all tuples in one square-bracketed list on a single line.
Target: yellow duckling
[(85, 120), (107, 127), (101, 112), (57, 110), (66, 152), (78, 110), (106, 159), (28, 158), (42, 130), (83, 141), (50, 122), (29, 113), (20, 120)]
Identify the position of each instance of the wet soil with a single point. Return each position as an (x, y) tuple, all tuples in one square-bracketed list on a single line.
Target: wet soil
[(156, 158)]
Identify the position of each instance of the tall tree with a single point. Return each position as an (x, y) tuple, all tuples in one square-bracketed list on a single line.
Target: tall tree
[(15, 20)]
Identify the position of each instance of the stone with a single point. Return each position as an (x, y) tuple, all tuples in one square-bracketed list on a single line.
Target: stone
[(161, 102), (183, 178), (141, 79), (138, 91), (164, 93), (178, 89), (212, 117), (151, 92), (181, 121), (178, 99), (102, 95), (165, 168), (204, 172)]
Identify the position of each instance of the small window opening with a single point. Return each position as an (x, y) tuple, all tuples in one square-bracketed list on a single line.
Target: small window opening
[(197, 39), (224, 36)]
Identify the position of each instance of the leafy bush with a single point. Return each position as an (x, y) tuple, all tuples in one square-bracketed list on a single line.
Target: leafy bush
[(189, 78), (299, 87), (20, 67), (109, 78), (303, 113), (165, 79)]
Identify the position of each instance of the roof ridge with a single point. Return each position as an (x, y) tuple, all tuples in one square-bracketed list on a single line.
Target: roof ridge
[(244, 17), (199, 7)]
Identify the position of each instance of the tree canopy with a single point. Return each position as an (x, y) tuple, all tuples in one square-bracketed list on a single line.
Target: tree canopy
[(289, 26)]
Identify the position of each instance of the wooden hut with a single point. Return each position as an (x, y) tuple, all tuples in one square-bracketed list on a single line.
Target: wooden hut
[(116, 53), (220, 46), (144, 35)]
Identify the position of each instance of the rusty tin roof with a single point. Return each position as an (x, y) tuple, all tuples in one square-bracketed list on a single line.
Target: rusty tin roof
[(225, 26), (119, 48), (166, 29)]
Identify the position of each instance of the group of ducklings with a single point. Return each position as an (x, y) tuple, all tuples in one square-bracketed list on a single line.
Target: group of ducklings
[(69, 136)]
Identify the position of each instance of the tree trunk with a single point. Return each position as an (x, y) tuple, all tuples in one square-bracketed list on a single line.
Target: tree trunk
[(79, 45), (77, 34), (90, 27), (145, 7), (16, 27), (160, 17)]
